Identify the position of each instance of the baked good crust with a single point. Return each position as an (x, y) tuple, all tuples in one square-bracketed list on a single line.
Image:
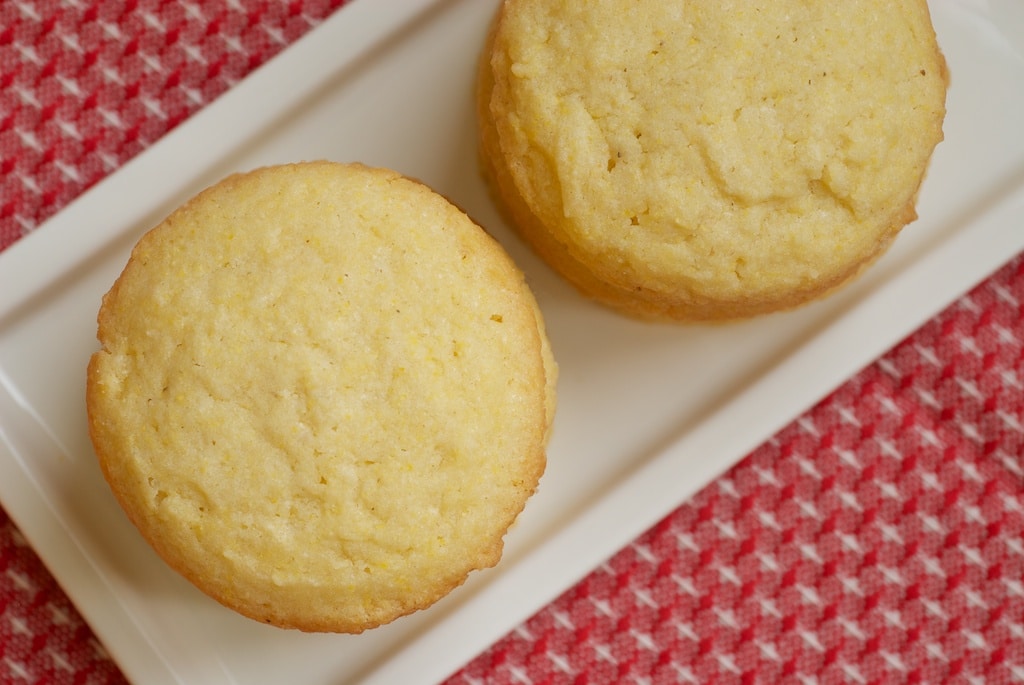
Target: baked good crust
[(323, 394), (621, 152)]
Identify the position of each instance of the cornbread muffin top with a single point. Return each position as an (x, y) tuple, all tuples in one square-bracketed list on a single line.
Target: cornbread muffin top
[(323, 394), (736, 156)]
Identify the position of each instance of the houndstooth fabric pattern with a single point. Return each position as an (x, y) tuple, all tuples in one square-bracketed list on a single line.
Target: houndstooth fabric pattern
[(85, 86), (876, 539), (42, 637)]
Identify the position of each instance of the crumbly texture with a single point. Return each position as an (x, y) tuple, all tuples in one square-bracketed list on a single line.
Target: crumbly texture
[(701, 161), (323, 394)]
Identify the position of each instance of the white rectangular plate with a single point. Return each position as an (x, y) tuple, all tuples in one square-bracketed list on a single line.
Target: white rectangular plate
[(648, 413)]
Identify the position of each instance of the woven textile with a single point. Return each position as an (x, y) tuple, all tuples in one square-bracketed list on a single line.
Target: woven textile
[(85, 86), (879, 538)]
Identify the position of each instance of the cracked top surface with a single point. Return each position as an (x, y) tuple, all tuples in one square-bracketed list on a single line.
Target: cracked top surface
[(733, 151), (323, 394)]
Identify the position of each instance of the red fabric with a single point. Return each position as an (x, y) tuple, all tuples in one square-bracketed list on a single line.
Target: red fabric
[(42, 637), (877, 539), (85, 86)]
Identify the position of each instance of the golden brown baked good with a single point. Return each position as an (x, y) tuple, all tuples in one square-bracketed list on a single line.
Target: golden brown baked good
[(323, 394), (701, 161)]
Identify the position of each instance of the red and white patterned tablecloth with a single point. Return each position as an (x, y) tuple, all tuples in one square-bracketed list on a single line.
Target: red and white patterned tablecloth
[(879, 538)]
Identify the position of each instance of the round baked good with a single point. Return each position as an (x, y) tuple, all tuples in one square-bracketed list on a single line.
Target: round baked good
[(323, 394), (701, 161)]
